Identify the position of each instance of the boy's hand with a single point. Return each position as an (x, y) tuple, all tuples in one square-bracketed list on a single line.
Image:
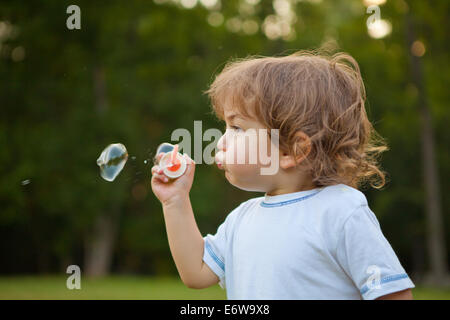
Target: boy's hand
[(168, 190)]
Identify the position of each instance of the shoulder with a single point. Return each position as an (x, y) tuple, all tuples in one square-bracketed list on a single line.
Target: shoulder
[(335, 205), (247, 205), (344, 196), (340, 201), (250, 203), (244, 207)]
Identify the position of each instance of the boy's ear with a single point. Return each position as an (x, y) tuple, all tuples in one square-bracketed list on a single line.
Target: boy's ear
[(302, 147)]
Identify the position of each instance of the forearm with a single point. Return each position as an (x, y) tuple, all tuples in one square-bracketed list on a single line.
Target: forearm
[(400, 295), (185, 239)]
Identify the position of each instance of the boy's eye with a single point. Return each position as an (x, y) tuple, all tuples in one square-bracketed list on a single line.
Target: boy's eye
[(235, 128)]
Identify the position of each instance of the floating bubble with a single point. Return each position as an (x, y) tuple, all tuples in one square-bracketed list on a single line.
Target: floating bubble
[(25, 182), (112, 160), (164, 147)]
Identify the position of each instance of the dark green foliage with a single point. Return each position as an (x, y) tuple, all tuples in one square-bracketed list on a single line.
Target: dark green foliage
[(156, 61)]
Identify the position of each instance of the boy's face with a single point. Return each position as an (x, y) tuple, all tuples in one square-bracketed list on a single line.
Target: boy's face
[(238, 153)]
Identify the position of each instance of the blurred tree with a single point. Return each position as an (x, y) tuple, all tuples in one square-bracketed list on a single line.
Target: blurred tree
[(134, 73), (435, 228)]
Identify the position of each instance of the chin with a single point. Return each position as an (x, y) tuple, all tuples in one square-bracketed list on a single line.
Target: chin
[(241, 186)]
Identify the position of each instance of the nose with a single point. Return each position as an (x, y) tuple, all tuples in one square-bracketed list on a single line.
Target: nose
[(221, 144)]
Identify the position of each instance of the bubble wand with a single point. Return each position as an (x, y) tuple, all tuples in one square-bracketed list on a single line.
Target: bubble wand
[(173, 163)]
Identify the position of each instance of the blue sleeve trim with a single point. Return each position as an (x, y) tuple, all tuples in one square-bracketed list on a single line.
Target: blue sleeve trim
[(214, 256), (386, 280)]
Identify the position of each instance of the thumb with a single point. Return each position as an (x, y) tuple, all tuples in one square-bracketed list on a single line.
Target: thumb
[(190, 165)]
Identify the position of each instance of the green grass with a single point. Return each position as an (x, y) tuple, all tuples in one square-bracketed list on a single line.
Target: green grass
[(50, 287), (426, 293), (125, 287)]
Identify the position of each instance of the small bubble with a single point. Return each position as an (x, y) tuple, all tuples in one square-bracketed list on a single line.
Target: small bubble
[(133, 158), (25, 182), (112, 160), (145, 161)]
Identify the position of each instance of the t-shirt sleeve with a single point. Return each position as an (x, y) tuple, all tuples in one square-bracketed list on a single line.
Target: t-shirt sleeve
[(368, 258), (215, 247)]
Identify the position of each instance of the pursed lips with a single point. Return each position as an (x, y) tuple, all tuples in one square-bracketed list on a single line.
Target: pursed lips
[(218, 160), (220, 166)]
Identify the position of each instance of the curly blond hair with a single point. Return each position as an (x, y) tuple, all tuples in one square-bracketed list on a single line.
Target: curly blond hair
[(323, 96)]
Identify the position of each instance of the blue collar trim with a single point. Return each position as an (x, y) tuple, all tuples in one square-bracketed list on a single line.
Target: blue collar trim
[(284, 203)]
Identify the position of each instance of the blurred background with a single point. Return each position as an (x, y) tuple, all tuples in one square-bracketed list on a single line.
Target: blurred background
[(135, 71)]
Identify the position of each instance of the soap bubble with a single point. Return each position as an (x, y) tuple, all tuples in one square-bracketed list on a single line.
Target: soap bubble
[(112, 160), (164, 147)]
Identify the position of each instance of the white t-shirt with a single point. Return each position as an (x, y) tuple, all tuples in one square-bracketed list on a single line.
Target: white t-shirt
[(323, 243)]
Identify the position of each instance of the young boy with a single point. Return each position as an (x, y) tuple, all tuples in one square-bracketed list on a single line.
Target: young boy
[(312, 235)]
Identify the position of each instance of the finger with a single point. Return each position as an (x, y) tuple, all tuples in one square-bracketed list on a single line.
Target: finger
[(158, 157), (155, 169), (161, 177), (190, 168)]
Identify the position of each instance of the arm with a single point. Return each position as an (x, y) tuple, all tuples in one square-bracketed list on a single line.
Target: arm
[(186, 244), (400, 295), (365, 254), (185, 241)]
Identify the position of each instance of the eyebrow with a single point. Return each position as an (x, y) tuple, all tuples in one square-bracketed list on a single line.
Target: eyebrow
[(234, 115)]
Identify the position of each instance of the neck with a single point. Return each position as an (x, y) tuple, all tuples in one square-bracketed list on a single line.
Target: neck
[(289, 182)]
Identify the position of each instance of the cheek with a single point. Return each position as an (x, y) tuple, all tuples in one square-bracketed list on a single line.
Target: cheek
[(237, 158), (240, 147)]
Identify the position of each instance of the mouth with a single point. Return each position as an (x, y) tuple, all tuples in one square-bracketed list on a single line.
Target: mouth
[(218, 159)]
